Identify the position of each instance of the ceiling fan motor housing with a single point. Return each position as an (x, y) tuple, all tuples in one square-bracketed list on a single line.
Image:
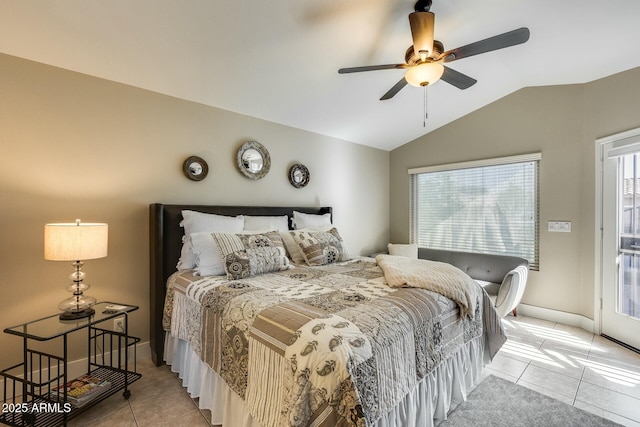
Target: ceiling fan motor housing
[(411, 58)]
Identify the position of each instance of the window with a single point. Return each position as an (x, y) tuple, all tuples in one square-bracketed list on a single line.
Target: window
[(488, 206)]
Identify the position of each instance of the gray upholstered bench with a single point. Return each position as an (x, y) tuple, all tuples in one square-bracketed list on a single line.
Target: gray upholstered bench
[(503, 277)]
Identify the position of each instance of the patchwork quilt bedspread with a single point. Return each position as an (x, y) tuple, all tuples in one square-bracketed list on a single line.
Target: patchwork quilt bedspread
[(331, 345)]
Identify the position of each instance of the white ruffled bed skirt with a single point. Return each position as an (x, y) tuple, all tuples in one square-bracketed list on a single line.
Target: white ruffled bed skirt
[(427, 405)]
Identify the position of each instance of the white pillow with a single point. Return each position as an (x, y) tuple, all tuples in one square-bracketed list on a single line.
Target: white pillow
[(194, 222), (409, 250), (303, 220), (207, 254), (277, 223)]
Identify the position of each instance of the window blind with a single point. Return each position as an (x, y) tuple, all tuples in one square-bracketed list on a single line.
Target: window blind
[(489, 206)]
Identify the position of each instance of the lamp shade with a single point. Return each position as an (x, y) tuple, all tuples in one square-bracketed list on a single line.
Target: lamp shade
[(75, 241), (424, 74)]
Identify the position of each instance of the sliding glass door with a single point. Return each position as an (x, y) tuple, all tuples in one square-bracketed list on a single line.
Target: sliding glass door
[(621, 242)]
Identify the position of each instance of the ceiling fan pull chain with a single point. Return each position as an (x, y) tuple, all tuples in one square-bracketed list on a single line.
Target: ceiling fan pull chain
[(426, 114)]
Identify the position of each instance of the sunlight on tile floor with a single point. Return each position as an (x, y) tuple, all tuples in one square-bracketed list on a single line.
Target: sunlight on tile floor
[(571, 365), (563, 362)]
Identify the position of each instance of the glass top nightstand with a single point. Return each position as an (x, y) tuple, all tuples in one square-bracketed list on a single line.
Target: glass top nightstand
[(51, 326), (43, 379)]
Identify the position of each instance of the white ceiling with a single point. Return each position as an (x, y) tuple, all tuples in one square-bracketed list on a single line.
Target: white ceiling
[(277, 60)]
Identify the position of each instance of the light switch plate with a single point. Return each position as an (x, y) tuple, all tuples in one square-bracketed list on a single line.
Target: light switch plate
[(559, 226)]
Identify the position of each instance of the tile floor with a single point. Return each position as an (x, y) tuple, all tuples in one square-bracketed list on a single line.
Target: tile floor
[(566, 363), (571, 365), (157, 399)]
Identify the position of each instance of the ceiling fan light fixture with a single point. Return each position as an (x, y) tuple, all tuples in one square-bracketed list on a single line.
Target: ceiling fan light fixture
[(424, 74)]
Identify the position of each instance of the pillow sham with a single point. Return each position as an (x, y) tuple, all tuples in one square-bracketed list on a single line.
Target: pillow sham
[(277, 223), (303, 220), (246, 255), (321, 247), (409, 250), (194, 222)]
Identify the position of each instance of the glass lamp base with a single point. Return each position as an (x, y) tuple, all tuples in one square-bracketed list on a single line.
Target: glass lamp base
[(79, 305), (74, 315)]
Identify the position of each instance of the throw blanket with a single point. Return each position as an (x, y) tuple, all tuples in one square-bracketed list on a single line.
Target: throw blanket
[(440, 277), (327, 346)]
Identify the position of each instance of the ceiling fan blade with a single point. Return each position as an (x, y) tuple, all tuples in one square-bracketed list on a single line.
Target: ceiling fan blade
[(422, 24), (457, 79), (395, 89), (500, 41), (371, 68)]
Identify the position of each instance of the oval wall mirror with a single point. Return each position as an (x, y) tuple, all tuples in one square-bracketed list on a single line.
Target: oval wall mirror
[(253, 160), (195, 168), (299, 175)]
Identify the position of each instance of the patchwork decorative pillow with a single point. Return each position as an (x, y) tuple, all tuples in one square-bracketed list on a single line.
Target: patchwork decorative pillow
[(246, 255), (293, 249), (209, 260), (321, 247)]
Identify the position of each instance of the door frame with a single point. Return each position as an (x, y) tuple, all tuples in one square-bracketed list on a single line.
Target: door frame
[(599, 282)]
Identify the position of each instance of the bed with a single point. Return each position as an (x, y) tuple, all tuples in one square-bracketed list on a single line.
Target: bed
[(323, 345)]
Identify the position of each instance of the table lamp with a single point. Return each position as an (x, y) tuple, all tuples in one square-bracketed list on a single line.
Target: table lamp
[(76, 242)]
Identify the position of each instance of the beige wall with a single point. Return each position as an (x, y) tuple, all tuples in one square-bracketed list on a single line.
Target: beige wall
[(75, 146), (563, 123)]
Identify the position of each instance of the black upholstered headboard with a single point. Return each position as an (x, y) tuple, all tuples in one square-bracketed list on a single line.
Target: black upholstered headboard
[(165, 244)]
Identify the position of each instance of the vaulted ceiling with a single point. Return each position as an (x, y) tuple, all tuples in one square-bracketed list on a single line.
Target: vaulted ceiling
[(277, 60)]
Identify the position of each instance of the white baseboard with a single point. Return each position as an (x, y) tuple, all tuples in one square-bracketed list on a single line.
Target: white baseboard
[(563, 317), (76, 368), (79, 367)]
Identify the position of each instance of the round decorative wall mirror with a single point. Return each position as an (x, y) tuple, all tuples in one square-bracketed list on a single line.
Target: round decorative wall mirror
[(253, 160), (299, 175), (195, 168)]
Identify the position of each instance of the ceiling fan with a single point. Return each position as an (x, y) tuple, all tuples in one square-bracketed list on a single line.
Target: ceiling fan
[(425, 58)]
